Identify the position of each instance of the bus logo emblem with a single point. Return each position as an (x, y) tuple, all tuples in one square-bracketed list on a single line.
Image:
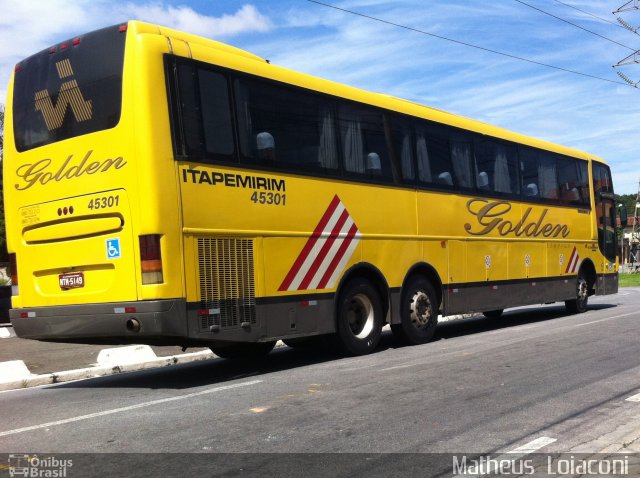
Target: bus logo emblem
[(113, 248), (326, 253), (69, 95)]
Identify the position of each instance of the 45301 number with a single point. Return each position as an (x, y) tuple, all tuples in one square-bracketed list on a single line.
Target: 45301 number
[(263, 197), (104, 202)]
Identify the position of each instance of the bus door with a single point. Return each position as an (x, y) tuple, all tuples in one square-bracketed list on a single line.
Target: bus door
[(605, 214)]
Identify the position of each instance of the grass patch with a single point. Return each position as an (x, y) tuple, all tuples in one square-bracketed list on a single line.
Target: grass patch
[(629, 280)]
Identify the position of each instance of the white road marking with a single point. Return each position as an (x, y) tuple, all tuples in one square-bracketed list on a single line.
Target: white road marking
[(634, 398), (606, 318), (126, 409), (533, 445), (512, 456)]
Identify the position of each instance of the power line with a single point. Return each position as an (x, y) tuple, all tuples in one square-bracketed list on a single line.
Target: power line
[(575, 25), (470, 45), (588, 13)]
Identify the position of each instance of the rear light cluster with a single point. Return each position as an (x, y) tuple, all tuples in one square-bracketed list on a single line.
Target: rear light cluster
[(13, 269), (151, 259)]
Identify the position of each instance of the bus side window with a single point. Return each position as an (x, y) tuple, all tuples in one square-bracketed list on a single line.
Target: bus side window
[(547, 176), (364, 145), (402, 144), (284, 127), (583, 183), (189, 135), (461, 151), (435, 165), (216, 113), (497, 167), (529, 173)]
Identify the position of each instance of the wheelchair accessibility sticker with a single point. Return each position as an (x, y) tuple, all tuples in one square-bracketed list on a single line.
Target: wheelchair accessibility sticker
[(113, 248)]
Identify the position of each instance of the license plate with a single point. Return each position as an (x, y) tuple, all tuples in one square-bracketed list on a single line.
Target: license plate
[(71, 280)]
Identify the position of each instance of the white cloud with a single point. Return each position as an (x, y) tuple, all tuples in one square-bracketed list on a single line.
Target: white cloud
[(29, 26), (246, 19)]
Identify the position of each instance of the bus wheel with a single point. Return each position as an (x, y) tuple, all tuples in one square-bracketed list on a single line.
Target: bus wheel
[(359, 322), (493, 314), (419, 314), (579, 304), (242, 350)]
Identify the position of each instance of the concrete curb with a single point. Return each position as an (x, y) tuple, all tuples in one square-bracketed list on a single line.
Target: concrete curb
[(30, 380), (6, 332)]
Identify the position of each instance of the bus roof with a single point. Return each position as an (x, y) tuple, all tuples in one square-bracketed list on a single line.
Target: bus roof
[(262, 67)]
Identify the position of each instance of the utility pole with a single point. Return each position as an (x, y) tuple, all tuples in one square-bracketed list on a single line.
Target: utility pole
[(634, 240), (634, 58)]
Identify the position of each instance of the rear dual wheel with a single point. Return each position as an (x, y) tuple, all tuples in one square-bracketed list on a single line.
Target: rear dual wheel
[(419, 314)]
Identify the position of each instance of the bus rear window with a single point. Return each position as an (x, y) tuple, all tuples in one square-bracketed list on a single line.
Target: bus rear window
[(70, 89)]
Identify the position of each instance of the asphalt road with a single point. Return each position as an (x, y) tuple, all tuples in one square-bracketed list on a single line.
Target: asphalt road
[(537, 379)]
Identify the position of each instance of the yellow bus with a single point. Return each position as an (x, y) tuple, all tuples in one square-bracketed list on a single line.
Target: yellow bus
[(164, 188)]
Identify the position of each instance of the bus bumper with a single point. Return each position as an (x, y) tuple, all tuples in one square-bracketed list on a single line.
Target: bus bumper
[(161, 321)]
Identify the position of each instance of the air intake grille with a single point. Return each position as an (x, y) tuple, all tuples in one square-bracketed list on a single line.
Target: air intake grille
[(227, 289)]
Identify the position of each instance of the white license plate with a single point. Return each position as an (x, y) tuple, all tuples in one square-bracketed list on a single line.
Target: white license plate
[(71, 280)]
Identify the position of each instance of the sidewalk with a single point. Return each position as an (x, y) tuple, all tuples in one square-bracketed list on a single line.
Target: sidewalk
[(25, 363)]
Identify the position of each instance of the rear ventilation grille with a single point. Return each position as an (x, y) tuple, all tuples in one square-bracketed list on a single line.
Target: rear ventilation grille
[(227, 289)]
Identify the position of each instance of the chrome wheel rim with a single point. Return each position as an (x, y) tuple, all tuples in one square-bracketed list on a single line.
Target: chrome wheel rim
[(360, 316), (420, 307), (583, 290)]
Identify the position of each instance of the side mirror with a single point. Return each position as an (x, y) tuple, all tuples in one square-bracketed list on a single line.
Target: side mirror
[(623, 215)]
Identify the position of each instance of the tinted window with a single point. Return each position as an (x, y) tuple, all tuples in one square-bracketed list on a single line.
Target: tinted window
[(529, 173), (404, 147), (283, 126), (74, 90), (363, 142), (569, 183), (461, 153), (496, 165), (216, 113), (437, 167)]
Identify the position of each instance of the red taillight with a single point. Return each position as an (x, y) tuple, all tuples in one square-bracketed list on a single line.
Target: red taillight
[(122, 28), (76, 41), (13, 267), (151, 259), (63, 46)]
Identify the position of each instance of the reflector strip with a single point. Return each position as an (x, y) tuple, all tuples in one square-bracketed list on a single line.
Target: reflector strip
[(326, 253), (574, 261)]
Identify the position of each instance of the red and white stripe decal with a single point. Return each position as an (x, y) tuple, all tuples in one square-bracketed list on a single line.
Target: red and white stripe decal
[(574, 261), (326, 253)]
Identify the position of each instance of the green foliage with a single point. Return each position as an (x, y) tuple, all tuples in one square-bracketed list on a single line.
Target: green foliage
[(628, 200), (629, 280)]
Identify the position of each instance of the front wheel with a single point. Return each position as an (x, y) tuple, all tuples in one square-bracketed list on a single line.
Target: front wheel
[(419, 314), (579, 304), (242, 350), (359, 321)]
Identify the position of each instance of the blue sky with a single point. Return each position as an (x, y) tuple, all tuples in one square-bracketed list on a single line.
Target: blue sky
[(593, 115)]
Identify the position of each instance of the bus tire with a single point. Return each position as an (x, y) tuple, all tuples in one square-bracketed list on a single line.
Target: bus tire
[(419, 313), (359, 318), (242, 350), (493, 314), (580, 303)]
